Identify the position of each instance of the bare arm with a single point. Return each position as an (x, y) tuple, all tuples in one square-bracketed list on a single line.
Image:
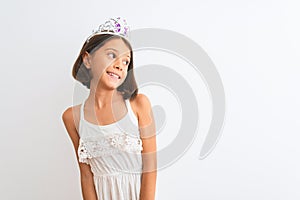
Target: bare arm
[(147, 132), (86, 176)]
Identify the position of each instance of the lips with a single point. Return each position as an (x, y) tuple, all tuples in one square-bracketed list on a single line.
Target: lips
[(112, 74)]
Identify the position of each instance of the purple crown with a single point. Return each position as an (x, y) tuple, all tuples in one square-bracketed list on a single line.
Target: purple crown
[(115, 26)]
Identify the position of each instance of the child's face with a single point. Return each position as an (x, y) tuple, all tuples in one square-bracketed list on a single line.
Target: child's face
[(113, 57)]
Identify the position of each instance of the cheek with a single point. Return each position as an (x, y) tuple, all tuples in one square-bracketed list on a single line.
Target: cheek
[(99, 68), (97, 71), (125, 75)]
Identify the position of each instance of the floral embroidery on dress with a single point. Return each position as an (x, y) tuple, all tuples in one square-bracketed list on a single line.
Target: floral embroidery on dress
[(126, 142), (96, 146), (83, 152)]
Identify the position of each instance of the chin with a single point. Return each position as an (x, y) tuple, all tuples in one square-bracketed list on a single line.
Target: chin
[(114, 86), (110, 83)]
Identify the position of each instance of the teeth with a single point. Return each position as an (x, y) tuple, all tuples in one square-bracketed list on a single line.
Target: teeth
[(112, 74)]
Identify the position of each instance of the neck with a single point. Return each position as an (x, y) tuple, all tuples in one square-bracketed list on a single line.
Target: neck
[(101, 97)]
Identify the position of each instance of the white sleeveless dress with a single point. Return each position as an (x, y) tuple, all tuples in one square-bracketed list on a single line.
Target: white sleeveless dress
[(114, 153)]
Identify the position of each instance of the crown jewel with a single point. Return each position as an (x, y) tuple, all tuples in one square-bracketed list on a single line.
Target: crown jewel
[(115, 26)]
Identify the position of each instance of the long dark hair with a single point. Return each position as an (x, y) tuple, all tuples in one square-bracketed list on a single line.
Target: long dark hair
[(82, 74)]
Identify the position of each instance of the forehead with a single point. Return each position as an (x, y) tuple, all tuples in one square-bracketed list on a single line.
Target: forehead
[(118, 45)]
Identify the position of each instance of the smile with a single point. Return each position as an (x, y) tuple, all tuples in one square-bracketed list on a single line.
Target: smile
[(113, 75)]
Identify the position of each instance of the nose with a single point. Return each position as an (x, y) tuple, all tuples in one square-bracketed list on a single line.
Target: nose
[(118, 65)]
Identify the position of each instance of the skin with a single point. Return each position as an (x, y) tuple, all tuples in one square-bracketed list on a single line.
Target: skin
[(105, 105)]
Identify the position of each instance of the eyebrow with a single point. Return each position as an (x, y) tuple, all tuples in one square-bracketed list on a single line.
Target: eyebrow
[(115, 50)]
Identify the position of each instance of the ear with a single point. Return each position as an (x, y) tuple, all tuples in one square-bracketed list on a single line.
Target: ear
[(86, 59)]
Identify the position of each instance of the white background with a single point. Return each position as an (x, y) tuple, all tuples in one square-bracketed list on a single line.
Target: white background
[(255, 46)]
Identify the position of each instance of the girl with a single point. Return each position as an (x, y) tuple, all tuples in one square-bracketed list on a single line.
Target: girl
[(113, 130)]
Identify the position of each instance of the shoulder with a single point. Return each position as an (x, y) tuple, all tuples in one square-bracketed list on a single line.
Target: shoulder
[(143, 109), (142, 100), (67, 114), (142, 103), (70, 117)]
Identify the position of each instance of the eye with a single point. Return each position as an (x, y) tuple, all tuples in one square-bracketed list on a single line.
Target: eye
[(126, 62), (111, 55)]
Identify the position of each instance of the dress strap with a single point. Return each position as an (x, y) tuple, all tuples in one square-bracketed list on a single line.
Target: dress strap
[(130, 111), (82, 110), (128, 106)]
